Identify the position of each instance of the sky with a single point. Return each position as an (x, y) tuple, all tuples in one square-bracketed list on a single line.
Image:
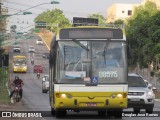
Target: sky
[(70, 8)]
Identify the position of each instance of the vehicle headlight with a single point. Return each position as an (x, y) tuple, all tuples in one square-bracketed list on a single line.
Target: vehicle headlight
[(149, 94), (119, 95), (63, 95)]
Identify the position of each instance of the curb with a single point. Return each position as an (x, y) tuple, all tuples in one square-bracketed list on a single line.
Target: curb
[(157, 100), (44, 42)]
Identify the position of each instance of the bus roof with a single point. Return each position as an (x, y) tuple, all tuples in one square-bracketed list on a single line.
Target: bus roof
[(20, 56)]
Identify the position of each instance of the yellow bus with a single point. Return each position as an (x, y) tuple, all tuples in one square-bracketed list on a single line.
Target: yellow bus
[(19, 63), (88, 71)]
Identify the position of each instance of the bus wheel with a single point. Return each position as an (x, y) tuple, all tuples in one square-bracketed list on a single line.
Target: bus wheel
[(102, 113), (136, 110), (52, 111), (110, 113), (60, 113), (118, 114)]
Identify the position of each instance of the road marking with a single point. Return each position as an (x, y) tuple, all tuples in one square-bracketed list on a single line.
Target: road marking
[(45, 42)]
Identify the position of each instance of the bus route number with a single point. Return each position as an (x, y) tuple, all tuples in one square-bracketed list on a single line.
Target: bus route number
[(104, 74)]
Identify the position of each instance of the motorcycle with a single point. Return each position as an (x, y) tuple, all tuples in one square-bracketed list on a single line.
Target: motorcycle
[(38, 75), (16, 95), (32, 61)]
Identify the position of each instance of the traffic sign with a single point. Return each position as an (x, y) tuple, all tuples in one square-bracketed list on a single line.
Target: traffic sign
[(40, 24)]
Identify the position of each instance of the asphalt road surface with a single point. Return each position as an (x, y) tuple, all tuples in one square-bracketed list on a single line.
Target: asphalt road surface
[(32, 89)]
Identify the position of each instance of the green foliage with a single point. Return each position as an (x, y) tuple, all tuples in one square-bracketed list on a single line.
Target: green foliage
[(119, 21), (55, 18), (3, 88), (101, 19), (143, 33)]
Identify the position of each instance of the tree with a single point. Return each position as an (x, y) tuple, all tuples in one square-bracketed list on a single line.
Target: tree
[(142, 33), (55, 18), (119, 21), (101, 19)]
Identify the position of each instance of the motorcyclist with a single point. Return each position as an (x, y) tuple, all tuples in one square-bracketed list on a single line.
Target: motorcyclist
[(32, 61), (17, 82), (38, 75)]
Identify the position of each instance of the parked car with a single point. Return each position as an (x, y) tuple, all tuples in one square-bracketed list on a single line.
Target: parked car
[(37, 68), (39, 42), (140, 95), (46, 55), (31, 49), (16, 48), (45, 83)]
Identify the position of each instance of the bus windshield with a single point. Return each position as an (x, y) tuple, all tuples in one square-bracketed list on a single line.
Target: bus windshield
[(20, 61), (92, 61)]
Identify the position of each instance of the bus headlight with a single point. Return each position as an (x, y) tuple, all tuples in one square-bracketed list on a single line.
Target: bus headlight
[(63, 95), (119, 95)]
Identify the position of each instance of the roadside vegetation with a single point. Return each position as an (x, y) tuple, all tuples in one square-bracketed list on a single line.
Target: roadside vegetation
[(4, 96), (55, 18), (143, 33)]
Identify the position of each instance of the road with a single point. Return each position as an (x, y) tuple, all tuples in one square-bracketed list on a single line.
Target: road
[(32, 90)]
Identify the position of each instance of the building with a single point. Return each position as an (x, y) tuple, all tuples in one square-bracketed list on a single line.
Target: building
[(119, 11), (124, 11)]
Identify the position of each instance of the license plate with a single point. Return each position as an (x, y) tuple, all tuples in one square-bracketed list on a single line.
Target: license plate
[(91, 104), (134, 99)]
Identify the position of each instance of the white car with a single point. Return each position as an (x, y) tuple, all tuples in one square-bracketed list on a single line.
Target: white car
[(45, 83), (39, 42), (31, 49), (16, 48), (140, 95)]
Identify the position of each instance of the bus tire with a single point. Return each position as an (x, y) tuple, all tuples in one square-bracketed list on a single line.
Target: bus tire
[(118, 114), (110, 113), (60, 113), (42, 91), (102, 113), (52, 111), (136, 110)]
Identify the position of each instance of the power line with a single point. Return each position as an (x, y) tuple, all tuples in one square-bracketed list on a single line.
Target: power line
[(25, 5)]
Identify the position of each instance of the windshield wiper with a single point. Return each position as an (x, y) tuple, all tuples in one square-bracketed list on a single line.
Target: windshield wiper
[(105, 51), (81, 45)]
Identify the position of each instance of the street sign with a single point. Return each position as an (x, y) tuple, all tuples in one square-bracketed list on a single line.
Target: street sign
[(78, 21), (40, 25), (19, 32)]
